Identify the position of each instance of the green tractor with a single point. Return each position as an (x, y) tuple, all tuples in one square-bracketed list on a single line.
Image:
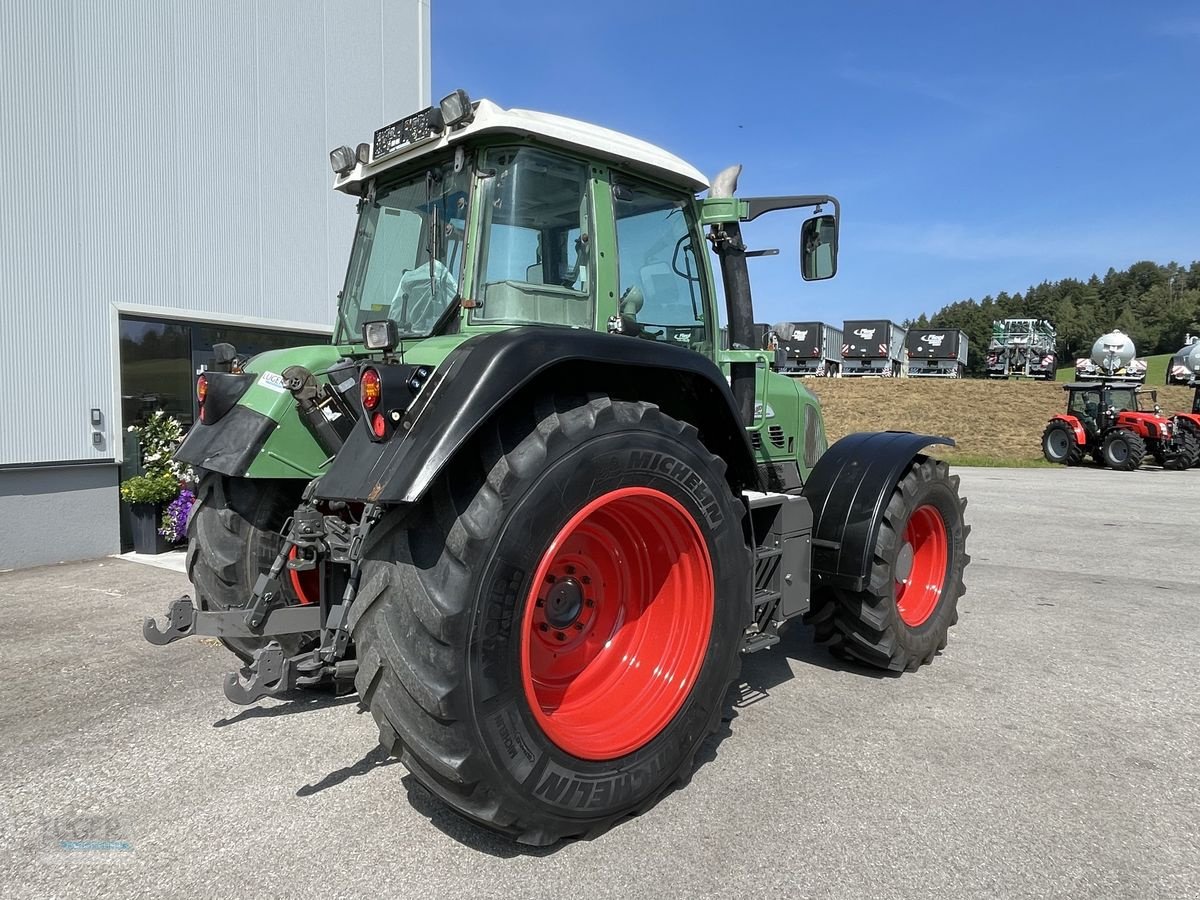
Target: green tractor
[(525, 499)]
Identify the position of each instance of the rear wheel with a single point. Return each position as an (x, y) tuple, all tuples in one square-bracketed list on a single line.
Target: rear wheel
[(547, 638), (1122, 450), (900, 620), (1059, 445), (233, 536)]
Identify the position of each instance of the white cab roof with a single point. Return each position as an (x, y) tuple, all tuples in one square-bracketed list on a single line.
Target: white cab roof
[(549, 129)]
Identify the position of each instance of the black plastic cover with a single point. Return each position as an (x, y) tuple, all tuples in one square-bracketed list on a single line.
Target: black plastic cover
[(867, 339), (483, 372), (801, 340), (933, 343), (229, 447), (849, 490)]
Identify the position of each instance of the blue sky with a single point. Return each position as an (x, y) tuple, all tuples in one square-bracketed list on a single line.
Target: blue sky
[(975, 147)]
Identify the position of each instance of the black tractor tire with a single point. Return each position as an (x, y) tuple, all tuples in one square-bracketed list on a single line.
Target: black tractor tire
[(871, 626), (233, 536), (1059, 445), (1186, 427), (1182, 456), (1122, 450), (444, 618)]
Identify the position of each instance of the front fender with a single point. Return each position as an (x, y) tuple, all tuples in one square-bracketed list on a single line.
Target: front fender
[(848, 490), (483, 373)]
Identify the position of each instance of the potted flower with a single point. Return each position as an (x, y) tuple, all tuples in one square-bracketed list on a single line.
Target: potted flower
[(159, 484), (146, 495)]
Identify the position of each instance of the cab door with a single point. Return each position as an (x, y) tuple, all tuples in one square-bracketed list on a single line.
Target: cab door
[(663, 285)]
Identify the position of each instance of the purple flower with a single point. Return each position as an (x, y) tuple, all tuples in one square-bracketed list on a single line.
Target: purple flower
[(175, 517)]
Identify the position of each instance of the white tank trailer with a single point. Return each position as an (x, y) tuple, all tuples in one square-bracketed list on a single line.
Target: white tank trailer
[(936, 352), (1023, 347), (807, 349), (1113, 356), (1178, 371), (1192, 361), (873, 347)]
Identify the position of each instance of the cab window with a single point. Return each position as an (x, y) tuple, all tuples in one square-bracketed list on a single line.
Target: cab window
[(535, 261), (659, 265), (1085, 404)]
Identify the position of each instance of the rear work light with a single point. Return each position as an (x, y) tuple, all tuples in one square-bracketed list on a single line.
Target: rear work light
[(370, 390)]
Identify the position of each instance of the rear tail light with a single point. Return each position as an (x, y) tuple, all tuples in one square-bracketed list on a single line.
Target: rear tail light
[(201, 394), (371, 391)]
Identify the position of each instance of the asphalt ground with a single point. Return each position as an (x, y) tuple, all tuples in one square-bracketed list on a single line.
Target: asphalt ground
[(1053, 750)]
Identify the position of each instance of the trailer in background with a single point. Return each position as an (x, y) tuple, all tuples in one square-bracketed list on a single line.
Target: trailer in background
[(873, 347), (807, 348), (1177, 369), (1023, 347), (936, 352)]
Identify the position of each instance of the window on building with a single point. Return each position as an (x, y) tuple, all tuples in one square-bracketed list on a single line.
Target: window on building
[(160, 359)]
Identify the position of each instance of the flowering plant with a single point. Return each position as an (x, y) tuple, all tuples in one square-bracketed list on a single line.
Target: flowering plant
[(175, 517), (159, 437), (149, 488)]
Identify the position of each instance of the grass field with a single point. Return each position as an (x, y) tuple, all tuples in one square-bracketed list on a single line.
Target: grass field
[(994, 422), (1156, 370)]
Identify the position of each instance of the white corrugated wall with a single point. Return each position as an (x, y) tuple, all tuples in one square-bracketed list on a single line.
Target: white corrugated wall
[(173, 153)]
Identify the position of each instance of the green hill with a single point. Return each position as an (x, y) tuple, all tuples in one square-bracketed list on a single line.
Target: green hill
[(1156, 370)]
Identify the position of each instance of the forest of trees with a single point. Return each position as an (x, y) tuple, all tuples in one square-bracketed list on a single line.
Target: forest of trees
[(1156, 305)]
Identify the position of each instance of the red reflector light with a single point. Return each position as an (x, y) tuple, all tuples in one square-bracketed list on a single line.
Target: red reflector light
[(370, 389), (378, 425)]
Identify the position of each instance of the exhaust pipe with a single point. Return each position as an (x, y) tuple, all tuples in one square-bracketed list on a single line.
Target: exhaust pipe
[(739, 309)]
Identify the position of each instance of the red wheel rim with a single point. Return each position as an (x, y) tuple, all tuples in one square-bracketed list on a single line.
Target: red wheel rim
[(306, 583), (923, 554), (617, 623)]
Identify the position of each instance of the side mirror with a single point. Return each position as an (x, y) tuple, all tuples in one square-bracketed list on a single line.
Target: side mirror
[(818, 248)]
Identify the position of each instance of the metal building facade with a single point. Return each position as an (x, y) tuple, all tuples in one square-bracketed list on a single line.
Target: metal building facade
[(166, 157)]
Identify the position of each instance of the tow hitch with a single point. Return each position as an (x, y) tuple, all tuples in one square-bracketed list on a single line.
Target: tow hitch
[(318, 541)]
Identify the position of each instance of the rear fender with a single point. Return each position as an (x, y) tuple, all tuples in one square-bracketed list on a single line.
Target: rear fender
[(484, 373), (849, 489), (1076, 427)]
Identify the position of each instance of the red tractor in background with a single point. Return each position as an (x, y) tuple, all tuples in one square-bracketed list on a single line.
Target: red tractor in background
[(1118, 424), (1189, 422)]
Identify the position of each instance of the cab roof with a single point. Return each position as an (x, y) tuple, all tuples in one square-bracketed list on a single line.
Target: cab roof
[(559, 131)]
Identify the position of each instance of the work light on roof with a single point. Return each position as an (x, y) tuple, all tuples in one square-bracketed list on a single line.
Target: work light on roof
[(342, 159), (456, 109)]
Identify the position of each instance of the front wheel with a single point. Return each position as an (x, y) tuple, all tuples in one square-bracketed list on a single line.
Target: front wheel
[(1183, 454), (1122, 450), (547, 638), (900, 620)]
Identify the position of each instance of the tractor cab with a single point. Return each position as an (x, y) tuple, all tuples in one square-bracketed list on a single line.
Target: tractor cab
[(1097, 405)]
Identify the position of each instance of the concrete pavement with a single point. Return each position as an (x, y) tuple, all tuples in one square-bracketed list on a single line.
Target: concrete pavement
[(1052, 751)]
